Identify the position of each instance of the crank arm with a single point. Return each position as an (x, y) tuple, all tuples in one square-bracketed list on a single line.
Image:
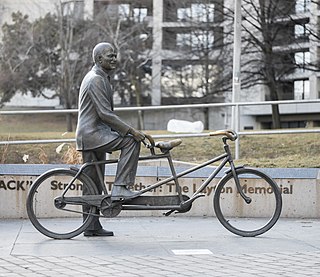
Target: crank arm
[(185, 206), (85, 200), (77, 212), (190, 201)]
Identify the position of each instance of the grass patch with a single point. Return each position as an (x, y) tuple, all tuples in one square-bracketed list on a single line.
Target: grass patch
[(296, 150), (301, 150)]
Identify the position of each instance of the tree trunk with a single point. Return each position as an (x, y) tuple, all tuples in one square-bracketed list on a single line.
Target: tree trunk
[(206, 118), (69, 122), (140, 120), (138, 103), (275, 96), (276, 123)]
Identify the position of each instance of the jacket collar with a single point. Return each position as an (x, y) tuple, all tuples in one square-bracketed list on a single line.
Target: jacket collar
[(100, 71)]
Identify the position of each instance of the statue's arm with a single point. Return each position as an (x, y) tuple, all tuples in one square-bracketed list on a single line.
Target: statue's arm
[(101, 96)]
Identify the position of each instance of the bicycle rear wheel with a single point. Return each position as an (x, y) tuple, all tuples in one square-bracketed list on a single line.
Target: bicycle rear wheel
[(248, 219), (52, 220)]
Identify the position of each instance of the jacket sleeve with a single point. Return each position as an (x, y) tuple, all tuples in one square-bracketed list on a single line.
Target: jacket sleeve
[(101, 95)]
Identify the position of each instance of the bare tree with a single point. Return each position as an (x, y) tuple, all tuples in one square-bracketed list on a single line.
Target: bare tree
[(203, 67), (54, 52), (76, 39), (50, 53), (16, 48), (124, 25), (269, 29)]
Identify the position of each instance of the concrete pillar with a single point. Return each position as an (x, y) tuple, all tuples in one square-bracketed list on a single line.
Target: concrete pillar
[(156, 52), (314, 50), (88, 9)]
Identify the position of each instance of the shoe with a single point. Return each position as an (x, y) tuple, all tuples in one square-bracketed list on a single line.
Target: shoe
[(122, 193), (98, 233)]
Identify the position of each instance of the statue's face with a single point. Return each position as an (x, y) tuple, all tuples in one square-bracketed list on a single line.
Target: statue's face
[(108, 59)]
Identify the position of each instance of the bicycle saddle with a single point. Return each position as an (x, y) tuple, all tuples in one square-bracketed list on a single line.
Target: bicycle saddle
[(167, 145)]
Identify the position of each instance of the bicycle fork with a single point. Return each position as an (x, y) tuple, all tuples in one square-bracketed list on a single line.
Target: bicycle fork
[(247, 199)]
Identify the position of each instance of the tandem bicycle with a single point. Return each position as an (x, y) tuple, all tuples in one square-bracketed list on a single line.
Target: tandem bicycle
[(253, 207)]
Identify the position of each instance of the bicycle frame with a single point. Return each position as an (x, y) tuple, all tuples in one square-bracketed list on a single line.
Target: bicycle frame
[(183, 203)]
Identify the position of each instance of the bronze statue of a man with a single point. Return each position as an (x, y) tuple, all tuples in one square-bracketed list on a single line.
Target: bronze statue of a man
[(100, 130)]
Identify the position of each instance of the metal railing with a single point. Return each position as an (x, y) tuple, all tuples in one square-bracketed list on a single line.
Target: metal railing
[(236, 120)]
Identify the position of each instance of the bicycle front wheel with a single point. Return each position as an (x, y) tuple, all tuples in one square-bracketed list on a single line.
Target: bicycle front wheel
[(59, 221), (248, 219)]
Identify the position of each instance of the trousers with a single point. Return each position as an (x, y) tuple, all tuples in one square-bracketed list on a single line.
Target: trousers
[(126, 167)]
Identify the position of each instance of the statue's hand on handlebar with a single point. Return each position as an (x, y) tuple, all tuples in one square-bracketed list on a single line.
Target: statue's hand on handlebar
[(137, 135)]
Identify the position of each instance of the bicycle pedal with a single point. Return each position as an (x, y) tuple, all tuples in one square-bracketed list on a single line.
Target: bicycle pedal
[(168, 212)]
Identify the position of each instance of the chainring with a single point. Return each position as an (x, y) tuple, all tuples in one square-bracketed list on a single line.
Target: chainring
[(109, 208)]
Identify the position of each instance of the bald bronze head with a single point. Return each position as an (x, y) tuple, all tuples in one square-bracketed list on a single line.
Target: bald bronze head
[(104, 55)]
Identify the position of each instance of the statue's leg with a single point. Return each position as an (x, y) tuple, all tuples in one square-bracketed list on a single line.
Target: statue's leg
[(127, 165), (91, 171)]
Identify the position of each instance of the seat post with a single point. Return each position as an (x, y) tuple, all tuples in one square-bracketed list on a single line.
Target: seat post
[(174, 174)]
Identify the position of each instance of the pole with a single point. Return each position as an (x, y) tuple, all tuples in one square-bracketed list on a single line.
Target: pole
[(156, 52), (236, 81)]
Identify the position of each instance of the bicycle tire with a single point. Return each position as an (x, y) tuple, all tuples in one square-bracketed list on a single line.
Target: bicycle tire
[(240, 218), (45, 216)]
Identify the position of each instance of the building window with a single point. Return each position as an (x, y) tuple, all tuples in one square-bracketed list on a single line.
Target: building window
[(302, 58), (301, 30), (302, 6), (184, 14), (196, 12), (183, 40), (202, 12), (196, 40), (202, 39), (301, 89), (124, 11), (72, 8), (137, 14), (293, 124)]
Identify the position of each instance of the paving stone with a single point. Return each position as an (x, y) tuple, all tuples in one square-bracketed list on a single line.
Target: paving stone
[(130, 254)]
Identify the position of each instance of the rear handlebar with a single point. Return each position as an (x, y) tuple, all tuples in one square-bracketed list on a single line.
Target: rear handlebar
[(230, 134)]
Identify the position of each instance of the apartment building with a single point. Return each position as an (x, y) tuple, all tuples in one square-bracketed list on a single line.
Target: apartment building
[(178, 27), (299, 43)]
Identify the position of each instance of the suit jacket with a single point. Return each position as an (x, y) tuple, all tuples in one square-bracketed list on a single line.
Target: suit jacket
[(97, 123)]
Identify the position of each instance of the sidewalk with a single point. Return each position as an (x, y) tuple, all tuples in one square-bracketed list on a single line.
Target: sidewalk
[(163, 246)]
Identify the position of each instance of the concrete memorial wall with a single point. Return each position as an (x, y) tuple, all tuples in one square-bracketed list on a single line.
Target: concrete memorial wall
[(300, 188)]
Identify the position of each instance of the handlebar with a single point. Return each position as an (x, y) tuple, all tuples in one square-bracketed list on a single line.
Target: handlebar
[(230, 134), (151, 143)]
